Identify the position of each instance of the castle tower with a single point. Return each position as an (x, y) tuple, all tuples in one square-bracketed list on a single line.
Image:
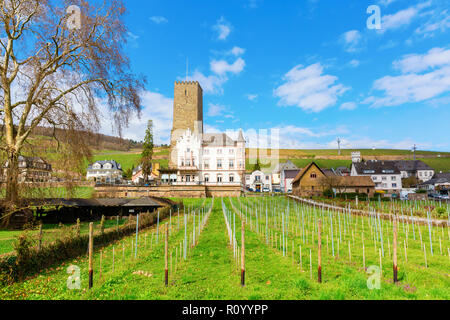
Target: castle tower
[(187, 113)]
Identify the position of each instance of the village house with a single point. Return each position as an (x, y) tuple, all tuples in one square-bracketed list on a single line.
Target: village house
[(108, 171), (32, 169), (313, 181), (413, 168), (386, 176), (138, 176), (258, 181), (440, 182), (285, 174), (277, 183)]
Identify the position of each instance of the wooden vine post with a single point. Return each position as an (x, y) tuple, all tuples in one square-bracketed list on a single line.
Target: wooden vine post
[(166, 248), (91, 251), (40, 237), (243, 254), (320, 251), (395, 251)]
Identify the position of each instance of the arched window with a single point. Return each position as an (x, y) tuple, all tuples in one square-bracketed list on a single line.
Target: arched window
[(313, 175)]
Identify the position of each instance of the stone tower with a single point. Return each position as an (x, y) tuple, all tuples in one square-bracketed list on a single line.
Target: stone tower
[(187, 113)]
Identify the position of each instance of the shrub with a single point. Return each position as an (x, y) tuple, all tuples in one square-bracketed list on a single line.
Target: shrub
[(328, 193)]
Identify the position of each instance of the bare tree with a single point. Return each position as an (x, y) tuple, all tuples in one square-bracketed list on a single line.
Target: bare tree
[(332, 182), (61, 63)]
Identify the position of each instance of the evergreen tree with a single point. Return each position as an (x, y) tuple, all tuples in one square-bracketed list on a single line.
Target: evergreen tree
[(147, 153), (257, 166)]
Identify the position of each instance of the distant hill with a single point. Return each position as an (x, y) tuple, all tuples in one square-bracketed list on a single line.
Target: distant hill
[(96, 140), (440, 161)]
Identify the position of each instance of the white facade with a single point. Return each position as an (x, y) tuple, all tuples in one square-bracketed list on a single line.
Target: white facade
[(259, 181), (423, 175), (210, 159), (105, 171), (389, 181)]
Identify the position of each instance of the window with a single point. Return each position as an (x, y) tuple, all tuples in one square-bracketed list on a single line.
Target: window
[(231, 151), (231, 164), (206, 177), (206, 151), (313, 175), (219, 151), (207, 164), (219, 178), (384, 178), (219, 163), (394, 185), (394, 178), (231, 178)]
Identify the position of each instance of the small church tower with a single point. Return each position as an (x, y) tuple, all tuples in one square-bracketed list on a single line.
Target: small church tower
[(187, 114)]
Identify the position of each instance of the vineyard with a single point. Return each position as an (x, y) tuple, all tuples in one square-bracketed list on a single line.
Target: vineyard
[(257, 248)]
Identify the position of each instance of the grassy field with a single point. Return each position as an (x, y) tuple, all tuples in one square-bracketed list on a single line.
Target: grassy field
[(274, 269), (438, 164)]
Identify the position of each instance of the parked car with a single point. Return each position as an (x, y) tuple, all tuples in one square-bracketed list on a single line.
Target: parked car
[(266, 190)]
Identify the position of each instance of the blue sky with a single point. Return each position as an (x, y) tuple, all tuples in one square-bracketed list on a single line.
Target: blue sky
[(311, 69)]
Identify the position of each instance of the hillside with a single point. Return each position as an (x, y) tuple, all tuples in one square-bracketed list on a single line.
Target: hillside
[(440, 161)]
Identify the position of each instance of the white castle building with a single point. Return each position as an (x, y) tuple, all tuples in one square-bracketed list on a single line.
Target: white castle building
[(199, 158)]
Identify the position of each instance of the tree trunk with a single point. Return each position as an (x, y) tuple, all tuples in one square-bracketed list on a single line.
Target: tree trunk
[(12, 186)]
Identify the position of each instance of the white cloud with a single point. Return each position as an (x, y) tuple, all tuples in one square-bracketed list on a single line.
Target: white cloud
[(223, 29), (403, 17), (354, 63), (159, 19), (309, 89), (237, 51), (156, 107), (215, 110), (436, 57), (439, 22), (352, 41), (252, 97), (212, 84), (414, 85), (133, 39), (386, 3), (348, 106), (221, 67)]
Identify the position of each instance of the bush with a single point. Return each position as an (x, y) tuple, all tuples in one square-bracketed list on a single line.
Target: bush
[(441, 212), (328, 193)]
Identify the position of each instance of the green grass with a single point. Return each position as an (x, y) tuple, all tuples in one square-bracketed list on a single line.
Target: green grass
[(302, 163), (127, 160), (438, 164), (211, 273)]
